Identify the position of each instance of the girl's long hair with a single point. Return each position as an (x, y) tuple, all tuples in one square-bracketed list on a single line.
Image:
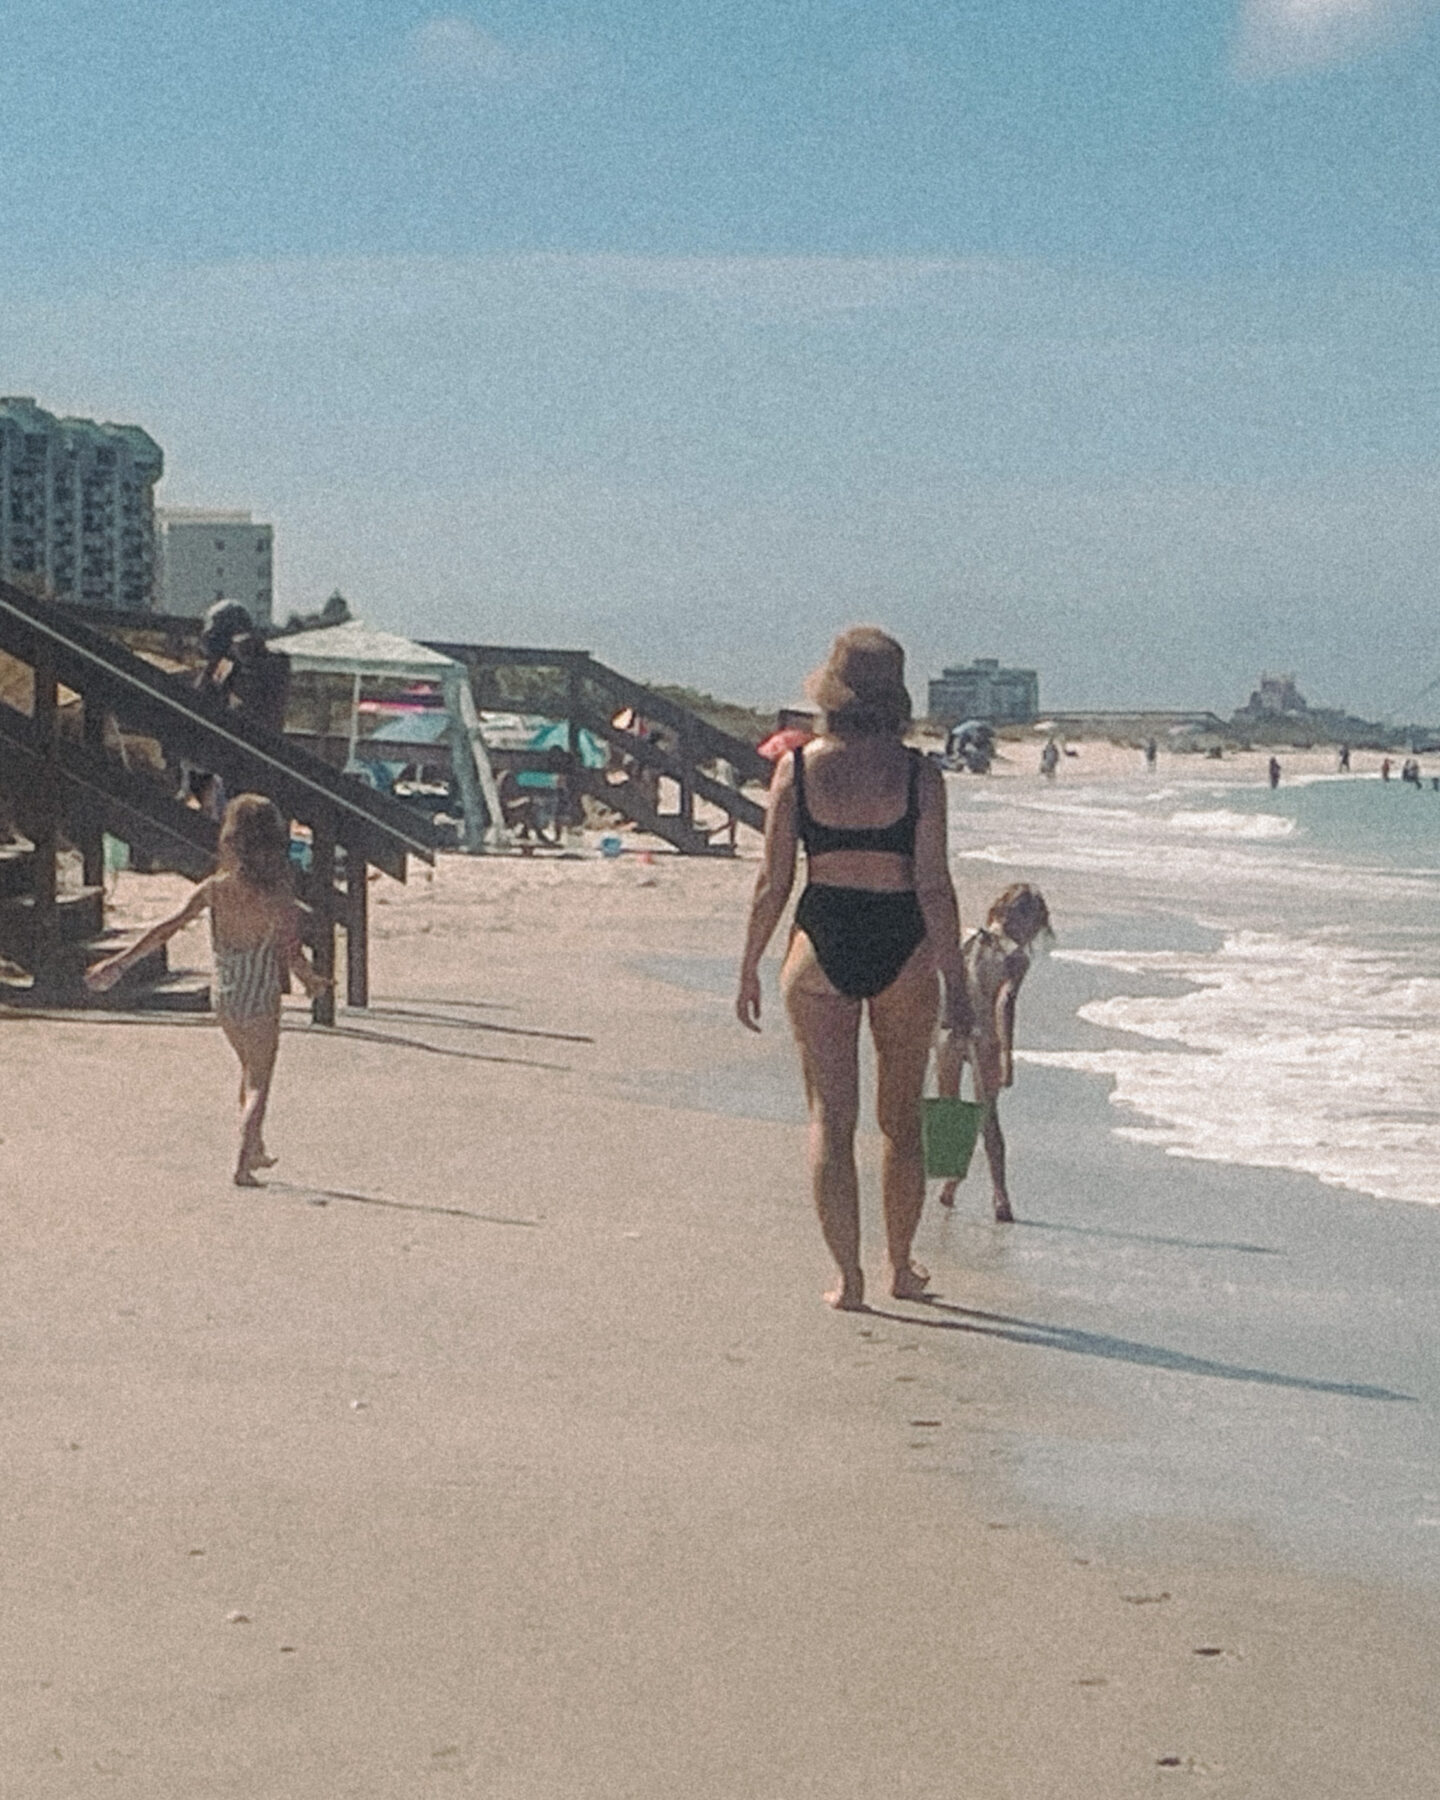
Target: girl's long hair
[(255, 843)]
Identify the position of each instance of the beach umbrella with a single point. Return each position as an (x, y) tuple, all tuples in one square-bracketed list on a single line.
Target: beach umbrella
[(592, 753), (781, 743)]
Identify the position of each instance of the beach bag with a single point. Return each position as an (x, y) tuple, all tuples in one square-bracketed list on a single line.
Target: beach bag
[(948, 1130)]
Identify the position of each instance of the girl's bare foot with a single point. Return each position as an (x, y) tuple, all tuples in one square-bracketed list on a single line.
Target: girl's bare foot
[(244, 1177), (910, 1282), (848, 1295), (1003, 1214), (947, 1193), (264, 1161)]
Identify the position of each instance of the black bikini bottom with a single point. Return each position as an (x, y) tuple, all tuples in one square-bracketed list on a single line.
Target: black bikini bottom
[(863, 938)]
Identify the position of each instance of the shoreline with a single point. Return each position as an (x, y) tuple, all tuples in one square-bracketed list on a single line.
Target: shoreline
[(510, 1423)]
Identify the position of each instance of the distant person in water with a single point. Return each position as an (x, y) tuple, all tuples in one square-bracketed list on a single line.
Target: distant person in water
[(1152, 750), (876, 929), (1344, 760), (1385, 769), (255, 932), (996, 960), (1274, 771)]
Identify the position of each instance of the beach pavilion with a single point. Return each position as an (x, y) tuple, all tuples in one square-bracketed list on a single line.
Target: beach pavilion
[(359, 654)]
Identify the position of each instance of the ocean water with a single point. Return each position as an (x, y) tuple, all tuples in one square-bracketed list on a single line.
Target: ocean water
[(1270, 966), (1249, 978)]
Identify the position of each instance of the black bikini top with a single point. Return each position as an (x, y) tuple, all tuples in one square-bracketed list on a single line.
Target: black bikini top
[(897, 838)]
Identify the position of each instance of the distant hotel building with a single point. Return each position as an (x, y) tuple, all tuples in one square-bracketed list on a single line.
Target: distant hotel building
[(77, 506), (985, 691), (209, 556)]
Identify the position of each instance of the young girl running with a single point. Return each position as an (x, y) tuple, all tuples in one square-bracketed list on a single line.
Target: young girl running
[(255, 931), (996, 960)]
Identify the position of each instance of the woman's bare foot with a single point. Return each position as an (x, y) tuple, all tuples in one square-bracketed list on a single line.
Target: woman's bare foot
[(848, 1295), (947, 1193), (264, 1161), (244, 1177), (910, 1282), (1001, 1204)]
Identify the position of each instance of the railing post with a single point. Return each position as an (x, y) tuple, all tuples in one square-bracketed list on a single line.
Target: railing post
[(322, 900), (357, 931)]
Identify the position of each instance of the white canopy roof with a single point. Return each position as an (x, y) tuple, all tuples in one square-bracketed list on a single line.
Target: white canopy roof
[(356, 648)]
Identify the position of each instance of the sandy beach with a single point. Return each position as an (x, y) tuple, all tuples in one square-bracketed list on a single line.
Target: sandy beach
[(503, 1447)]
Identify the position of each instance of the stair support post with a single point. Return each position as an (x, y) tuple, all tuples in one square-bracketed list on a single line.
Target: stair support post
[(91, 829), (322, 900), (357, 931), (47, 832)]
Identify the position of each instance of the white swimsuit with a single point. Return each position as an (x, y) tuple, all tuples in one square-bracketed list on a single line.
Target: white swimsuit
[(247, 983)]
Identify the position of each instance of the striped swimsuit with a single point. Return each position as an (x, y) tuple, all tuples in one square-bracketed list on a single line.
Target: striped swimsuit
[(248, 983)]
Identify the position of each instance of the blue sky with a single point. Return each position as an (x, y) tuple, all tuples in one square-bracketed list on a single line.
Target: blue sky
[(1100, 338)]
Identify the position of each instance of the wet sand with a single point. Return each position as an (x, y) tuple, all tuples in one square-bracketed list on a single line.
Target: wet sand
[(502, 1446)]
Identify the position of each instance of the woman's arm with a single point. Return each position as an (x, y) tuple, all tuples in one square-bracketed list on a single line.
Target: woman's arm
[(772, 890), (103, 975), (936, 893)]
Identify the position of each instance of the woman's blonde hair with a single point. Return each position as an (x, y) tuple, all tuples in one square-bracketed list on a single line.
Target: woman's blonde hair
[(255, 843)]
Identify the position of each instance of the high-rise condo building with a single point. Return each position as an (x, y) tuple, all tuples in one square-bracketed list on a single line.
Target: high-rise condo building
[(77, 506), (205, 556), (983, 690)]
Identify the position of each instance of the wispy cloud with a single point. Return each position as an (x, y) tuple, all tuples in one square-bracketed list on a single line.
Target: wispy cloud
[(457, 52), (453, 53), (1291, 37)]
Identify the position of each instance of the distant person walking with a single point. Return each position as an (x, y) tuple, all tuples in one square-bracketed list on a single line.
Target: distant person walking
[(1152, 751), (1344, 760), (1274, 771), (997, 960), (255, 933), (876, 927), (1385, 768), (1049, 759)]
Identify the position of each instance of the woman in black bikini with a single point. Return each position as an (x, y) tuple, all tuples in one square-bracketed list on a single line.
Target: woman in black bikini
[(877, 925)]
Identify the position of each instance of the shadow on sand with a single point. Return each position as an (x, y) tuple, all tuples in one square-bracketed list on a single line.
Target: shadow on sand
[(320, 1196), (1142, 1237), (375, 1010), (1075, 1342)]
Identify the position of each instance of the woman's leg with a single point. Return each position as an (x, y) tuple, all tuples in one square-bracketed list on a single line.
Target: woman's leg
[(255, 1042), (826, 1024), (902, 1022), (949, 1064)]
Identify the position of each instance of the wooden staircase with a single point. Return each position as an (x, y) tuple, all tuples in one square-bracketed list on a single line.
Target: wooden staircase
[(688, 746), (62, 787)]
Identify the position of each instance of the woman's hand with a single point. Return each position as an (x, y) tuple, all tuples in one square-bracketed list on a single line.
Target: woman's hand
[(102, 976), (747, 1000)]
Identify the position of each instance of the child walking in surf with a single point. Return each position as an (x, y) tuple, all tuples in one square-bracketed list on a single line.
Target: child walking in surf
[(996, 960), (255, 931)]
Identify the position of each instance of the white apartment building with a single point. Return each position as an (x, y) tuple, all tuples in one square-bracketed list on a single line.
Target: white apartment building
[(205, 556), (77, 506)]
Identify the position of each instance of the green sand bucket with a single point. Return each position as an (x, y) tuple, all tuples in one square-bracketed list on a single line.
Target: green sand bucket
[(948, 1129)]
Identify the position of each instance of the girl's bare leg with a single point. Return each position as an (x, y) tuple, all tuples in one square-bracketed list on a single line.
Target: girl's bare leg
[(902, 1022), (255, 1042), (995, 1156), (826, 1024)]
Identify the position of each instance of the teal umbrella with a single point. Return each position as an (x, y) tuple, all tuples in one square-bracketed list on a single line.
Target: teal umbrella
[(592, 753)]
